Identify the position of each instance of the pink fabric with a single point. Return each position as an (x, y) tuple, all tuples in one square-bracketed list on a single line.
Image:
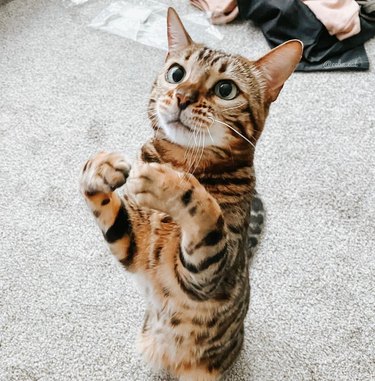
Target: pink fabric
[(340, 17), (219, 11)]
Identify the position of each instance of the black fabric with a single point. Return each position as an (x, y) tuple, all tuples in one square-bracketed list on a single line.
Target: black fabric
[(367, 9), (284, 20)]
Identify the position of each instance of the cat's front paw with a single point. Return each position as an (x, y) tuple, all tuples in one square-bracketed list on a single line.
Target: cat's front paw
[(103, 173), (155, 186)]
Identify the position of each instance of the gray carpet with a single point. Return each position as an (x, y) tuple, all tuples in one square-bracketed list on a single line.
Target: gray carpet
[(67, 309)]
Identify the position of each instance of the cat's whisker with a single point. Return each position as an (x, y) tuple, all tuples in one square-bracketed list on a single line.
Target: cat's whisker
[(152, 110), (190, 150), (192, 157), (195, 152), (193, 163), (188, 156), (154, 117), (195, 136), (190, 147), (233, 129), (191, 137), (202, 145), (157, 130), (209, 133), (201, 154), (188, 144)]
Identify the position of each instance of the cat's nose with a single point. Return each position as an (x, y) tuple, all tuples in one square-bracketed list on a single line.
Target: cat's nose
[(186, 98)]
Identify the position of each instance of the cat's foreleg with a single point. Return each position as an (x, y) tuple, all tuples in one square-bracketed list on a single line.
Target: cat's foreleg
[(203, 248), (100, 176)]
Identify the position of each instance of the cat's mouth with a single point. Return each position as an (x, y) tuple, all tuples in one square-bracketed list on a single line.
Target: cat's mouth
[(177, 123)]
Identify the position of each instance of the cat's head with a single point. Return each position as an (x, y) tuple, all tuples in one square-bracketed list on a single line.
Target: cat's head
[(205, 97)]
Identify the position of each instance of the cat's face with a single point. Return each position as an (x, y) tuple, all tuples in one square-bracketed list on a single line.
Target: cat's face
[(200, 92), (205, 97)]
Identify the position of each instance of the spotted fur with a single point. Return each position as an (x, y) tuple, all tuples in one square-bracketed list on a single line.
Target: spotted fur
[(190, 217)]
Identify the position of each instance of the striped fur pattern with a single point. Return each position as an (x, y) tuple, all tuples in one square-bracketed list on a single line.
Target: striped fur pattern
[(190, 216)]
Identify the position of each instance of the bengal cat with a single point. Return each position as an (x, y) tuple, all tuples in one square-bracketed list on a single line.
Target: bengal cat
[(190, 216)]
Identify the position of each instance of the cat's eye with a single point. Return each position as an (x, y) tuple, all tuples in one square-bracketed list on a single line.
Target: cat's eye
[(175, 74), (226, 90)]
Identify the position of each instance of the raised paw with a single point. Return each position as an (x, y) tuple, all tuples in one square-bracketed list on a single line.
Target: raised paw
[(156, 186), (103, 173)]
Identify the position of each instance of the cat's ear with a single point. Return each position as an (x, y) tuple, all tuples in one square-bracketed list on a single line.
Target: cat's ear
[(178, 38), (277, 65)]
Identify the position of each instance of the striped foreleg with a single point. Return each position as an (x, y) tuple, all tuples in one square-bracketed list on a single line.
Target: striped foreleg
[(203, 250), (101, 175)]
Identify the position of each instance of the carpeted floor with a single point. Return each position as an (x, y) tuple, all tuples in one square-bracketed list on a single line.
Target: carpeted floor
[(67, 309)]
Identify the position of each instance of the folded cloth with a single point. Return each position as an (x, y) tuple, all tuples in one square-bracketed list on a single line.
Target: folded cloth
[(367, 9), (284, 20), (340, 17)]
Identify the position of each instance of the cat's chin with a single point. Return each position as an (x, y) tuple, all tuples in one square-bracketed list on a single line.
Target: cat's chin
[(178, 124), (181, 134), (178, 133)]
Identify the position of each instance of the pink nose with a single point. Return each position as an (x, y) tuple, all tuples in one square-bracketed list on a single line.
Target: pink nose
[(185, 99)]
